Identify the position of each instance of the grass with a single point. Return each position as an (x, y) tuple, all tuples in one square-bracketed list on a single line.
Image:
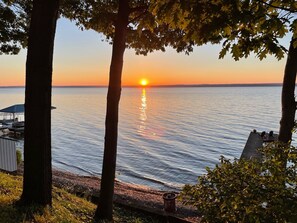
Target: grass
[(66, 208)]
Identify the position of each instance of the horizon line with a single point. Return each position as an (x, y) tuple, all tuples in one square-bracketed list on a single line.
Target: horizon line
[(165, 86)]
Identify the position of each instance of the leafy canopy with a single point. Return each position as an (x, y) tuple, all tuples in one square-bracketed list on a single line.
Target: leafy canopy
[(241, 26), (144, 33), (13, 26)]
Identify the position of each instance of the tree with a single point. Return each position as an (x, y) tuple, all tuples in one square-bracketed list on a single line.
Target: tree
[(105, 208), (126, 24), (288, 95), (13, 28), (37, 142), (243, 27)]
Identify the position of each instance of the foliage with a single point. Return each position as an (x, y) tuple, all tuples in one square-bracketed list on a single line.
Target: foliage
[(248, 190), (66, 207), (144, 33), (241, 26), (14, 19), (19, 157)]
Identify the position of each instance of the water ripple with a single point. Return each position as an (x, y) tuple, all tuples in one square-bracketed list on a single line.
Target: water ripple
[(167, 136)]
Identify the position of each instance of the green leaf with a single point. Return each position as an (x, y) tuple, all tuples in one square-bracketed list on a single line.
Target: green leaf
[(235, 52)]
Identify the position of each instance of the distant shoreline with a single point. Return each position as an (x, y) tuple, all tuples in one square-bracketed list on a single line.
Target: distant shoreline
[(169, 86)]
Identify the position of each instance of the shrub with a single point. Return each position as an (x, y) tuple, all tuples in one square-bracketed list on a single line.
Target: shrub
[(248, 190), (19, 157)]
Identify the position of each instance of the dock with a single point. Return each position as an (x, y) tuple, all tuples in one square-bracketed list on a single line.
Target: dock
[(255, 141)]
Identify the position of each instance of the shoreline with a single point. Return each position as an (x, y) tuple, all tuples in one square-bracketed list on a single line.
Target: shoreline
[(164, 85), (138, 197)]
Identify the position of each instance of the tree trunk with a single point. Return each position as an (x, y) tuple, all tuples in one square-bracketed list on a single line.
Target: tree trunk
[(105, 206), (37, 184), (288, 96)]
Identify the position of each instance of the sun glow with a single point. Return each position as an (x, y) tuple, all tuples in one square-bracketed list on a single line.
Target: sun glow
[(143, 82)]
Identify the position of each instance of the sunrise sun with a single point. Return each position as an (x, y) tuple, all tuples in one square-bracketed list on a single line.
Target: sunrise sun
[(143, 82)]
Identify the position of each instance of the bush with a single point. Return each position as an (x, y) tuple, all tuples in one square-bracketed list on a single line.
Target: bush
[(248, 190), (19, 157)]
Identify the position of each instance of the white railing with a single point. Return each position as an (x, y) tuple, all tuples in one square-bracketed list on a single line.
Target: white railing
[(8, 160)]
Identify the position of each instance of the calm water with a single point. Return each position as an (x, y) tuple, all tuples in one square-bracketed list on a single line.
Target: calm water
[(167, 136)]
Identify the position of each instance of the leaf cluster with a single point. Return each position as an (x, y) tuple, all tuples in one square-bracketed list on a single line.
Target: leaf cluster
[(241, 26), (14, 23), (144, 33), (248, 190)]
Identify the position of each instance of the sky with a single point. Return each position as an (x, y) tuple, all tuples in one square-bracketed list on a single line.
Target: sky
[(82, 58)]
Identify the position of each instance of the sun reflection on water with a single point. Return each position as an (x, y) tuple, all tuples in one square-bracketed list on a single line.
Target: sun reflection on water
[(142, 109)]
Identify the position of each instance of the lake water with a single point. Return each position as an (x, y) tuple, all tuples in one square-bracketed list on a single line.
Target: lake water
[(167, 136)]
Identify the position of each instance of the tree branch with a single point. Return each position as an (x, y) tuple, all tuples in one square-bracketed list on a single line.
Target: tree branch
[(278, 7), (139, 8), (137, 17)]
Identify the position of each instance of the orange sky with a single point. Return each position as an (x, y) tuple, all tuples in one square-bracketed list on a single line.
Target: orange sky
[(81, 58)]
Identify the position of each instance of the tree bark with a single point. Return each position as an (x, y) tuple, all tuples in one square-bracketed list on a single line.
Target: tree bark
[(105, 206), (37, 184), (288, 96)]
